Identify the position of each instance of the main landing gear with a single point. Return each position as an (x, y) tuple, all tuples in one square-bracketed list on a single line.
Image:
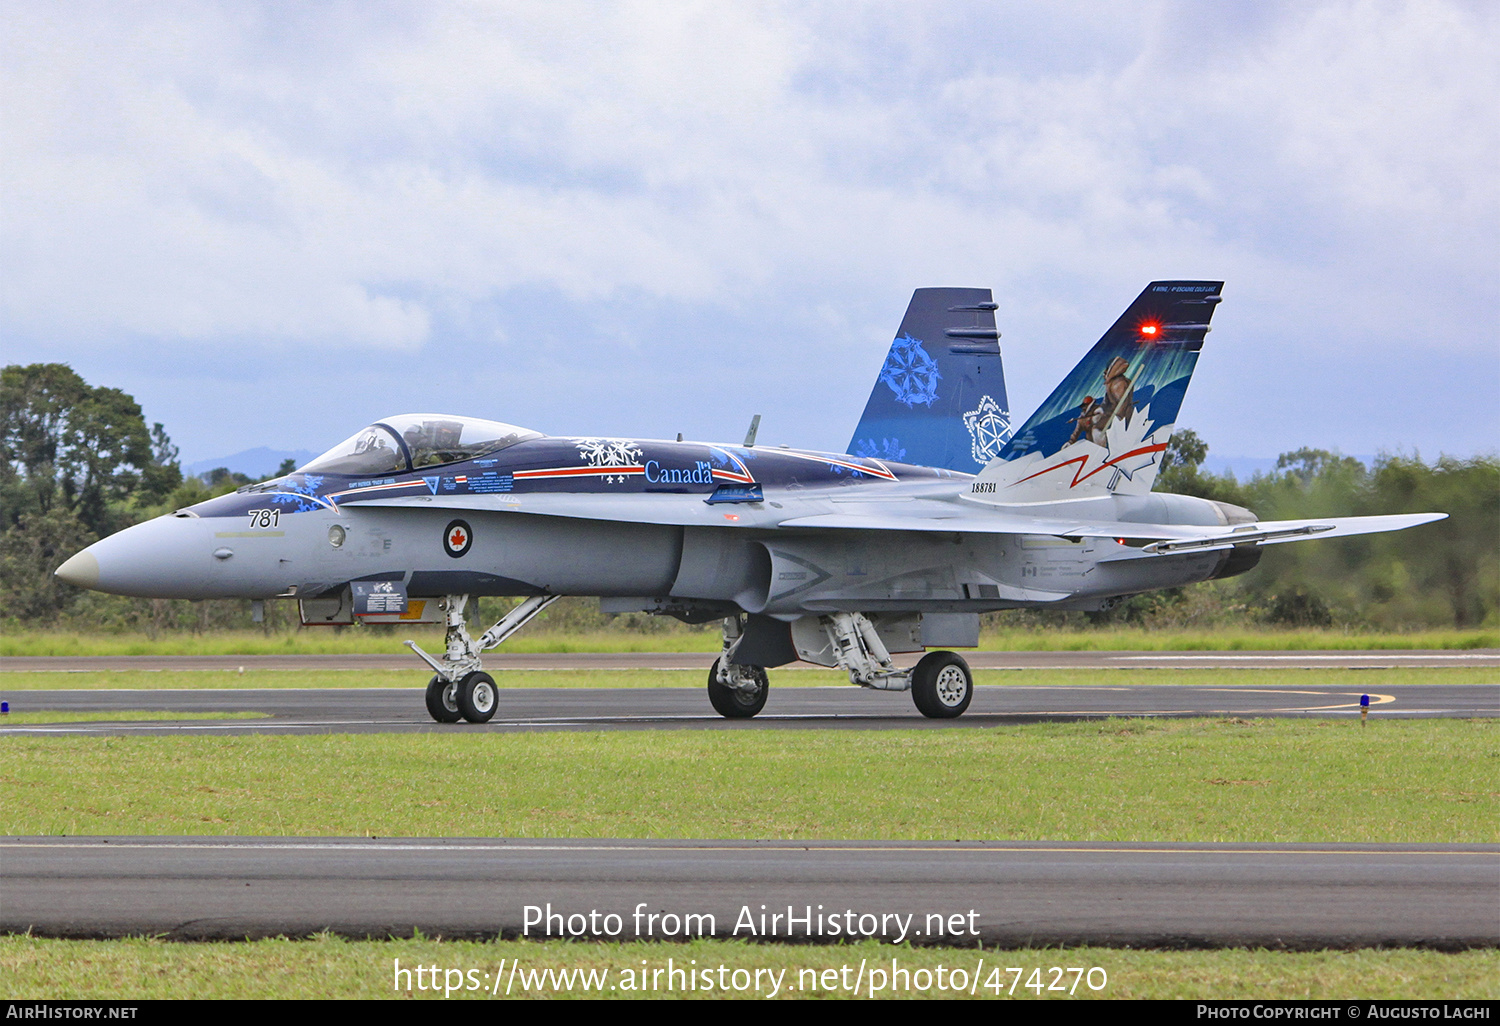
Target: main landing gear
[(941, 685), (462, 690), (739, 692), (735, 690)]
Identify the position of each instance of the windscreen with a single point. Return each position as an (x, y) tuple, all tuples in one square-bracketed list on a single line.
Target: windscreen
[(372, 451), (426, 438)]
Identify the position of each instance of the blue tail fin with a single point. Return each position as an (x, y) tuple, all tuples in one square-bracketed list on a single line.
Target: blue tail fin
[(1105, 427), (940, 398)]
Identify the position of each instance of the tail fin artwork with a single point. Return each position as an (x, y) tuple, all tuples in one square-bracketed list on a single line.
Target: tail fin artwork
[(1104, 429), (940, 398)]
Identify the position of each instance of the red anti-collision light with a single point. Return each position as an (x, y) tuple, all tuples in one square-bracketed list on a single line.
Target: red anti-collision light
[(1150, 330)]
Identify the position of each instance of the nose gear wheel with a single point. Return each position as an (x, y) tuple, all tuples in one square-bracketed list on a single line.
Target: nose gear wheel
[(442, 705), (477, 697)]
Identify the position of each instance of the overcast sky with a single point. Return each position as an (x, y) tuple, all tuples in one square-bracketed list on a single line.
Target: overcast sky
[(274, 223)]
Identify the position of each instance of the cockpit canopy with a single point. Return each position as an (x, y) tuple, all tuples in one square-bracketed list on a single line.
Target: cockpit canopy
[(415, 440)]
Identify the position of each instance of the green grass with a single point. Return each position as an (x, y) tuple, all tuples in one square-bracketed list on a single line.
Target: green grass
[(329, 967), (28, 642), (1261, 640), (1121, 780), (1116, 780), (791, 676), (25, 719), (322, 641)]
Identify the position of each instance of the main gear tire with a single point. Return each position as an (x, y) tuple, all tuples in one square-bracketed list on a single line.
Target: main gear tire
[(735, 703), (477, 697), (942, 686)]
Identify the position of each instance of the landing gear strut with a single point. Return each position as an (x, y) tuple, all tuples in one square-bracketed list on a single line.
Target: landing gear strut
[(461, 689), (941, 685)]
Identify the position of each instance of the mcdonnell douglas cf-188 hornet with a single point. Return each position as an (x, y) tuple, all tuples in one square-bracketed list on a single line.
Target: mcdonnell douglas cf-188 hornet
[(937, 513)]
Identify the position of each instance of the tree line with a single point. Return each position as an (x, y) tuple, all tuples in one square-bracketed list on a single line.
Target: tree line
[(79, 462), (1441, 574)]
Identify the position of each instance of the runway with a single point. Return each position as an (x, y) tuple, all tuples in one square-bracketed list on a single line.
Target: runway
[(994, 893), (1095, 660), (401, 710)]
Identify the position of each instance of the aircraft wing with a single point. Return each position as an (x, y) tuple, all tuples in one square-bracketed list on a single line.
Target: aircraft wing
[(885, 513), (1275, 532), (1162, 538), (897, 513)]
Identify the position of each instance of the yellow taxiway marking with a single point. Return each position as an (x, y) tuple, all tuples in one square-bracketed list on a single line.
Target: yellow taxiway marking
[(1374, 698)]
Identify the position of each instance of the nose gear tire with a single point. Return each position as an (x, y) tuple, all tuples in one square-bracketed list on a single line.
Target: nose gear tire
[(477, 697), (442, 703)]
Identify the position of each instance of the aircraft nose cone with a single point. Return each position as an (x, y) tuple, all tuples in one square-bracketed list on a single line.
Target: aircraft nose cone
[(81, 570), (176, 557)]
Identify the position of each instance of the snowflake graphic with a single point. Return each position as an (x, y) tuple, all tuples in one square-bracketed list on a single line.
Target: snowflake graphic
[(608, 452), (989, 427), (910, 372), (881, 449), (309, 486)]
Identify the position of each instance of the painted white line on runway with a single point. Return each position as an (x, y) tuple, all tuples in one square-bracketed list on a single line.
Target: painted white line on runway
[(1302, 657)]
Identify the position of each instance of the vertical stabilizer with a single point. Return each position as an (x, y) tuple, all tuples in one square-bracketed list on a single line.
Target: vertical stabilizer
[(1104, 429), (940, 398)]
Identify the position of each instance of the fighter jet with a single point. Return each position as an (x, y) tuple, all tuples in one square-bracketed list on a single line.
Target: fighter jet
[(936, 514)]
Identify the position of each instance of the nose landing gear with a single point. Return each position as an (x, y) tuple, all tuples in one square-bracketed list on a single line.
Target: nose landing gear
[(461, 689)]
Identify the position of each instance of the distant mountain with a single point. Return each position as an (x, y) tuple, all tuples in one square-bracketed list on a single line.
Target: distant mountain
[(252, 463)]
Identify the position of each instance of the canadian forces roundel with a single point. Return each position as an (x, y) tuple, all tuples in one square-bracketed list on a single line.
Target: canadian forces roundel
[(457, 538)]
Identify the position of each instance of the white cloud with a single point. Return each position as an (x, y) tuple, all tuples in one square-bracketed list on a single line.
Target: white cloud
[(387, 177)]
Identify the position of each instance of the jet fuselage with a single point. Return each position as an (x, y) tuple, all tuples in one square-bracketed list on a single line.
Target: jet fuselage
[(543, 515)]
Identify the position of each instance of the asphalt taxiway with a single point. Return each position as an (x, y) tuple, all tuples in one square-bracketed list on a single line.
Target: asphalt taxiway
[(401, 710), (958, 893), (994, 893)]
